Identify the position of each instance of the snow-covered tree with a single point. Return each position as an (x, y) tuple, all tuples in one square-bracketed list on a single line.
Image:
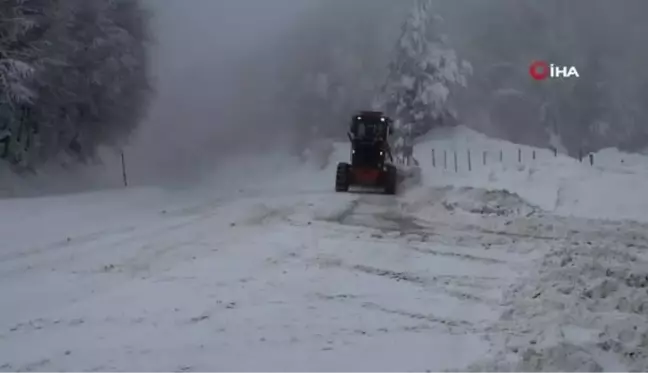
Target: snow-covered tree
[(17, 69), (73, 76), (421, 76)]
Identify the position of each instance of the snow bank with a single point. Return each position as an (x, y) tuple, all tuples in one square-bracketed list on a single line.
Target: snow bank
[(582, 304), (472, 201), (612, 159), (611, 189), (597, 296), (583, 308)]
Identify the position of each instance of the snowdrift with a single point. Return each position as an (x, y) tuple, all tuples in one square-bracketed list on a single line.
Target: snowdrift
[(609, 189), (471, 200), (581, 306)]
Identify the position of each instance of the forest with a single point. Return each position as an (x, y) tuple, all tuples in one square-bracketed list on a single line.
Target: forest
[(75, 74), (73, 77)]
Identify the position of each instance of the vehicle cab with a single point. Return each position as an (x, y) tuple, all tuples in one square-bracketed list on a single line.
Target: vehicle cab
[(370, 126)]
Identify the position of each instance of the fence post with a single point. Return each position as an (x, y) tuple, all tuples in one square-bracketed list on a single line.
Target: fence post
[(501, 156), (469, 161), (484, 156), (534, 155), (555, 152), (520, 155), (455, 162), (591, 157), (123, 164), (445, 159), (433, 159)]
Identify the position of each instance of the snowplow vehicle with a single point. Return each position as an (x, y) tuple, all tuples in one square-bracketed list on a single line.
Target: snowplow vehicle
[(371, 158)]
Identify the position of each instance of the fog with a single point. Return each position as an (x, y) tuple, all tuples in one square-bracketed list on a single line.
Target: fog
[(236, 76), (240, 76), (198, 51)]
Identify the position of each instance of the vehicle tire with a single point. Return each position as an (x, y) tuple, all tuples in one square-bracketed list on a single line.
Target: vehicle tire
[(342, 177), (391, 180)]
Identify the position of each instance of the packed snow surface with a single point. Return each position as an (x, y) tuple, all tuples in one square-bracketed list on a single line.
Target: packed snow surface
[(515, 263)]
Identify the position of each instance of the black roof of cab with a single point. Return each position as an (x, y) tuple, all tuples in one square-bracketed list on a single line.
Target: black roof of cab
[(371, 114)]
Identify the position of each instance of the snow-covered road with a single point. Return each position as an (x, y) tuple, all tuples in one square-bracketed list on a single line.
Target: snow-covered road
[(319, 281), (291, 276)]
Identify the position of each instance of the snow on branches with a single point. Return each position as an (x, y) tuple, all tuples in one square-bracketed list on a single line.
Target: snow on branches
[(73, 76), (421, 74)]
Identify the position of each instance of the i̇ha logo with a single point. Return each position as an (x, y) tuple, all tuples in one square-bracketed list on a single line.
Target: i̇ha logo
[(541, 70)]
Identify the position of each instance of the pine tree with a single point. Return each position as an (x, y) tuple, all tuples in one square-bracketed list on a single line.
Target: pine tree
[(18, 56), (424, 69), (73, 76)]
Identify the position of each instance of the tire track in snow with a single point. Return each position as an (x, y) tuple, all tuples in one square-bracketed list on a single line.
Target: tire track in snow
[(479, 244), (155, 239), (66, 243), (436, 283), (110, 266)]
